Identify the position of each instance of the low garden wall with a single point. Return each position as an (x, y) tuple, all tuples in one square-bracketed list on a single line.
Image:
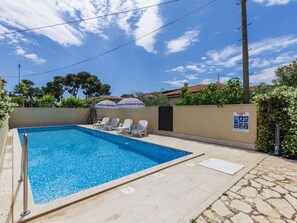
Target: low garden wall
[(29, 117), (211, 121)]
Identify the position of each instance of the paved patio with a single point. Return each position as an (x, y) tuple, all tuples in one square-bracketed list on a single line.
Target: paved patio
[(183, 192), (268, 193)]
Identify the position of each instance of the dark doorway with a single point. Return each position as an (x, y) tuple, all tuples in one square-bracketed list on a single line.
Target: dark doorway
[(166, 118)]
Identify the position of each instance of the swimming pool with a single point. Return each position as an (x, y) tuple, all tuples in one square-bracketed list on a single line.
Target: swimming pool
[(65, 160)]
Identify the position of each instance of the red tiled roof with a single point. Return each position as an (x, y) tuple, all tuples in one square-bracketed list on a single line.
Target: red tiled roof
[(192, 89), (111, 97)]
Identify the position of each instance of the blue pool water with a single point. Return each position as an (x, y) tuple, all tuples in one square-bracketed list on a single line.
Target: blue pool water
[(69, 159)]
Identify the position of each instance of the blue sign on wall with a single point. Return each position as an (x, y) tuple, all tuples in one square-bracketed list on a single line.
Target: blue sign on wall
[(241, 121)]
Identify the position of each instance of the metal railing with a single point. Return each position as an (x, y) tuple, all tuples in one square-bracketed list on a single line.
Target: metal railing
[(24, 174)]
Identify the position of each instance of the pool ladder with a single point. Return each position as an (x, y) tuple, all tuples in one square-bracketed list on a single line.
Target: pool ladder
[(24, 174)]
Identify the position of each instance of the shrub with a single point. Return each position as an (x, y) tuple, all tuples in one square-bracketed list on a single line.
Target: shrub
[(5, 106), (279, 105), (46, 101), (18, 100), (214, 94), (73, 102)]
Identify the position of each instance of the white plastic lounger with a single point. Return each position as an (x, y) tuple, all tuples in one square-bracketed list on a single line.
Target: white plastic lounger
[(101, 123), (126, 126), (141, 129), (113, 125)]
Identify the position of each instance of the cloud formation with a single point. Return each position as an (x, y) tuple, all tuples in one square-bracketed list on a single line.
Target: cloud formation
[(135, 23), (30, 56), (273, 2), (182, 42)]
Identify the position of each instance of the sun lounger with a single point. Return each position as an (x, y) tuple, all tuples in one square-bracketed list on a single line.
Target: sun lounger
[(100, 124), (126, 126), (141, 129), (113, 125)]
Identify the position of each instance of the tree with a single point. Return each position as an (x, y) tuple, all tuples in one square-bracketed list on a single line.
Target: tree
[(27, 90), (128, 95), (55, 88), (105, 89), (287, 75), (72, 84), (92, 86)]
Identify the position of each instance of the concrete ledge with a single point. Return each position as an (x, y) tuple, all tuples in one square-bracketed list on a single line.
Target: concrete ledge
[(205, 139)]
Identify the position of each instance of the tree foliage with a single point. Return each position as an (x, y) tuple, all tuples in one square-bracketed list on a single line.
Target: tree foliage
[(26, 94), (153, 99), (55, 88), (47, 101), (214, 94), (73, 102), (287, 75), (278, 105)]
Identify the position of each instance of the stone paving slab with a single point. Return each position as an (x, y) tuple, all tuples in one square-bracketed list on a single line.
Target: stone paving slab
[(267, 194)]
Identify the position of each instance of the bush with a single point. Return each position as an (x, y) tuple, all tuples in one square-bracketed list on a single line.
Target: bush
[(73, 102), (214, 94), (279, 105), (5, 106), (46, 101), (18, 100)]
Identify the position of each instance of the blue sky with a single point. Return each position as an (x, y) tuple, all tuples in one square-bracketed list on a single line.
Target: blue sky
[(195, 49)]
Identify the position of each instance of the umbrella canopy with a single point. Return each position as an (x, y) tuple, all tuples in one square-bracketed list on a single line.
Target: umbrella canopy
[(106, 104), (130, 103)]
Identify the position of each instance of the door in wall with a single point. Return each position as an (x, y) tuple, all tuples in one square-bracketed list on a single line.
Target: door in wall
[(166, 118)]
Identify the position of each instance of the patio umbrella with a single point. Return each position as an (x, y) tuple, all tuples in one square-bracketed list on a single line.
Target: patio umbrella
[(130, 103), (106, 104)]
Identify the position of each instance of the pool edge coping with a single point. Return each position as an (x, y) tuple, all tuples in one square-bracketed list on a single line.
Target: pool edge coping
[(41, 210)]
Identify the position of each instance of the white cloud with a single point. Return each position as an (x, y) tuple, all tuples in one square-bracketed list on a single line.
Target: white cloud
[(149, 21), (190, 67), (272, 2), (30, 56), (265, 75), (191, 77), (46, 12), (176, 83), (282, 58), (39, 13), (182, 42), (230, 56), (206, 81), (224, 80), (258, 62)]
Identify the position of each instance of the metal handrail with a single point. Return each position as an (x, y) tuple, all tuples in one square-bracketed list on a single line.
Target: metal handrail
[(24, 174)]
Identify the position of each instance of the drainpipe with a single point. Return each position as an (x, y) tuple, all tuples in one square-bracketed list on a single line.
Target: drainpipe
[(277, 136)]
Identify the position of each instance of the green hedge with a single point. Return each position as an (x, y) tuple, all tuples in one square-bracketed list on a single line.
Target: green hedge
[(279, 105)]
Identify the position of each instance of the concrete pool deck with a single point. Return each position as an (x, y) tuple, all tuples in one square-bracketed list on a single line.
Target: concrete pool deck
[(176, 194)]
